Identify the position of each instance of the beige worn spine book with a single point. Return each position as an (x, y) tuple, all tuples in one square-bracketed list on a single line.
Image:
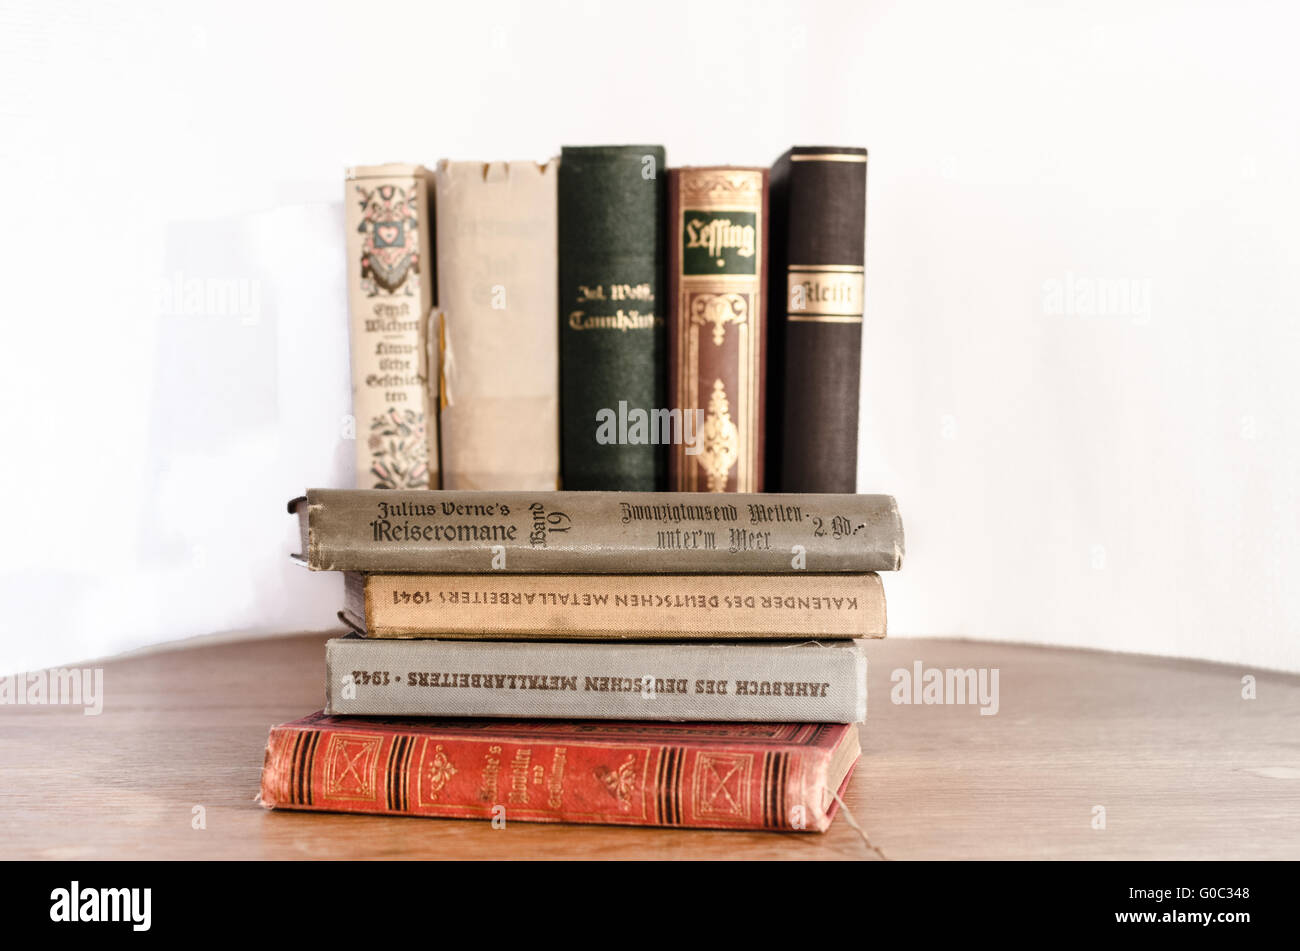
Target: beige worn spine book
[(390, 296), (616, 607), (497, 325)]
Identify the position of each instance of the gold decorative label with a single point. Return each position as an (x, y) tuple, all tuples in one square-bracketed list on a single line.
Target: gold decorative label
[(830, 157), (722, 783), (351, 762), (437, 771), (621, 783), (825, 293), (719, 310), (721, 441), (721, 185)]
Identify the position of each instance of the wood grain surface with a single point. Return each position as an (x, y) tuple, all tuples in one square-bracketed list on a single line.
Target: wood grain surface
[(1183, 766)]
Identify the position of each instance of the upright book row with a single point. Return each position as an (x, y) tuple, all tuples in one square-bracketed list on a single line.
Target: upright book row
[(602, 322)]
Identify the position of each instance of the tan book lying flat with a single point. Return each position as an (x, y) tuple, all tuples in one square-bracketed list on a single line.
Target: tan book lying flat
[(612, 607)]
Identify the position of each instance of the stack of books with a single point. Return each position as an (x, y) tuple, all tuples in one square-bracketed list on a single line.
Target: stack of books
[(660, 643), (674, 659)]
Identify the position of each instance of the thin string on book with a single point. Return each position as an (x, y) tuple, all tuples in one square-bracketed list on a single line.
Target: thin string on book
[(853, 824)]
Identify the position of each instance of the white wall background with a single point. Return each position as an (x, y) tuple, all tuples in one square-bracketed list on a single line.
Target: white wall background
[(1120, 476)]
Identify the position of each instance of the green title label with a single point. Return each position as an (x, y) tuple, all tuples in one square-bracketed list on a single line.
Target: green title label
[(719, 242)]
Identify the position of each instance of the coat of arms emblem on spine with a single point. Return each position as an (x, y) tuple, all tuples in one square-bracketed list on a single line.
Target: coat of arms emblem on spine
[(390, 242)]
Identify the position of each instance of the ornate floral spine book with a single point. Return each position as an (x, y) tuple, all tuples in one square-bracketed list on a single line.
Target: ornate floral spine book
[(717, 288), (390, 295)]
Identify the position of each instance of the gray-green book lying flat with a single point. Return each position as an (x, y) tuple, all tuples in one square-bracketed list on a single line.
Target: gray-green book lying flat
[(772, 682), (446, 532)]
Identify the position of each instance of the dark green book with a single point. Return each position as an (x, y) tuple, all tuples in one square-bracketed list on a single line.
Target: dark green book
[(613, 372)]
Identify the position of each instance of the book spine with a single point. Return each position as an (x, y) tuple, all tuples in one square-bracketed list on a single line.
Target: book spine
[(391, 772), (622, 607), (390, 293), (778, 683), (498, 390), (717, 275), (599, 532), (819, 200), (612, 342)]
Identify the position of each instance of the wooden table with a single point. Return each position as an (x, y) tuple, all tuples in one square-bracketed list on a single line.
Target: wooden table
[(1183, 766)]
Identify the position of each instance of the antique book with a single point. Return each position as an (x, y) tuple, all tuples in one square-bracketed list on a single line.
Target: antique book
[(717, 330), (788, 776), (810, 682), (596, 532), (615, 607), (498, 383), (390, 294), (613, 352), (819, 207)]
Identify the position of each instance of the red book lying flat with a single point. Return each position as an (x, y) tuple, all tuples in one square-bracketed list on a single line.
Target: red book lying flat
[(701, 775)]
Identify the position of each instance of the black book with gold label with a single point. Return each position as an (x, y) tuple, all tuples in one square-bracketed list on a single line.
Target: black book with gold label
[(818, 217)]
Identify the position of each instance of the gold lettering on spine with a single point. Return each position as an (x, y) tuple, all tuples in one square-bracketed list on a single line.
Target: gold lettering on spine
[(824, 293), (719, 235), (519, 773)]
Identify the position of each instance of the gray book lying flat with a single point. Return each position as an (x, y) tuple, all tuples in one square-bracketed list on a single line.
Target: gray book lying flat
[(822, 682)]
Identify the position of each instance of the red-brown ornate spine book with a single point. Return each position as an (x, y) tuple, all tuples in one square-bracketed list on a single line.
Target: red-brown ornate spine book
[(717, 326), (700, 775)]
